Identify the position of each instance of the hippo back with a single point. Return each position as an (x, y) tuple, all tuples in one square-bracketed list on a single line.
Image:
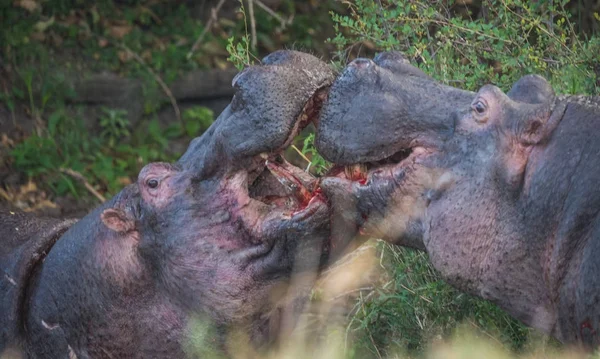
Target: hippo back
[(24, 241)]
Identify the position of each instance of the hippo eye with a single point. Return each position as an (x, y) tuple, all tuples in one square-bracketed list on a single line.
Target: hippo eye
[(152, 183), (479, 107)]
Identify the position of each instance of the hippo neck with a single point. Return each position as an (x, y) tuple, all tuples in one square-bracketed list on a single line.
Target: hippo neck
[(21, 272), (560, 206)]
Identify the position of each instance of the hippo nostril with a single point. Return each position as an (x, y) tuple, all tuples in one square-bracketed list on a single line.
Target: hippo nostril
[(361, 63), (390, 56)]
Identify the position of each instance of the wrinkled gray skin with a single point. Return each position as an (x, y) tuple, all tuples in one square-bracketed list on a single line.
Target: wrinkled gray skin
[(500, 189), (214, 236)]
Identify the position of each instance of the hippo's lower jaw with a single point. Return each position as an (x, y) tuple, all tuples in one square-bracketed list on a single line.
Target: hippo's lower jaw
[(369, 197), (364, 173)]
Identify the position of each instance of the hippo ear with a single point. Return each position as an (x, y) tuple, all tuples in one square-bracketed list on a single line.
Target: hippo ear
[(532, 89), (117, 220), (535, 116), (537, 122), (532, 125)]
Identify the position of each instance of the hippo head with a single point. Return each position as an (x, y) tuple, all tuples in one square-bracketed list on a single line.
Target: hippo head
[(227, 226), (220, 233), (430, 166)]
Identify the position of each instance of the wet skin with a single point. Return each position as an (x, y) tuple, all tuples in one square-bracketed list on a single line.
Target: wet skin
[(498, 188), (216, 236)]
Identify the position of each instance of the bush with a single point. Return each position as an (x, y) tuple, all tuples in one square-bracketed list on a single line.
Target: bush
[(468, 46)]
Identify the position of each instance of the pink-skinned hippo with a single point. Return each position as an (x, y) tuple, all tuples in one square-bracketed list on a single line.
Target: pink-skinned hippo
[(217, 235)]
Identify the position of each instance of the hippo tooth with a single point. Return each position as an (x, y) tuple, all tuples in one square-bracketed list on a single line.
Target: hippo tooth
[(289, 181), (356, 172)]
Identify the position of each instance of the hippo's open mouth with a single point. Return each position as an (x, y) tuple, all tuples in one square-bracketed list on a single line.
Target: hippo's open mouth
[(276, 182), (364, 172)]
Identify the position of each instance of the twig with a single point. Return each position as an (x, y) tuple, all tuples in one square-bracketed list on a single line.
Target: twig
[(5, 195), (449, 24), (301, 154), (213, 18), (374, 345), (78, 176), (413, 292), (252, 24), (157, 78), (386, 24), (283, 22)]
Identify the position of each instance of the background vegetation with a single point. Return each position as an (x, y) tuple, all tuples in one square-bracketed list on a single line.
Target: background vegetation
[(58, 157)]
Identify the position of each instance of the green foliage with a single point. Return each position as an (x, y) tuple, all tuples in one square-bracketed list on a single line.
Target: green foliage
[(197, 120), (239, 52), (466, 49), (115, 125), (317, 162), (108, 161)]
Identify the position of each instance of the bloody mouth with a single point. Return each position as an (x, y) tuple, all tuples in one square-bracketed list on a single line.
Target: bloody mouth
[(360, 172), (276, 182)]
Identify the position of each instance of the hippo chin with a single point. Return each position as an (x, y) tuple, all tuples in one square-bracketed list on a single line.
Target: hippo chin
[(217, 235), (500, 189)]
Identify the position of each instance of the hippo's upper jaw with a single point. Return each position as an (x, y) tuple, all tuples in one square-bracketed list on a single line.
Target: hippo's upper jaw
[(379, 110), (386, 123)]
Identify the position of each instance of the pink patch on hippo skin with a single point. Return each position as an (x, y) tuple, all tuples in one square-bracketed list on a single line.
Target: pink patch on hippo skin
[(156, 183), (117, 220)]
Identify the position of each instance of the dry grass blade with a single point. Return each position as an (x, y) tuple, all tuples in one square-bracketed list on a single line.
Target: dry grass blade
[(158, 79), (207, 28), (252, 24), (78, 176)]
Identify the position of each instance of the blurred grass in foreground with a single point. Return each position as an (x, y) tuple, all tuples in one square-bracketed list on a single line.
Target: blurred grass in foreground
[(382, 301)]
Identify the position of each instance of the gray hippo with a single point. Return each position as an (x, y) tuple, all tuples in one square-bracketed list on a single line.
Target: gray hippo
[(501, 190), (217, 235)]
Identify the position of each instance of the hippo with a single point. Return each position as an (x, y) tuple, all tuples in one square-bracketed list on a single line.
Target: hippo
[(219, 235), (498, 188)]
